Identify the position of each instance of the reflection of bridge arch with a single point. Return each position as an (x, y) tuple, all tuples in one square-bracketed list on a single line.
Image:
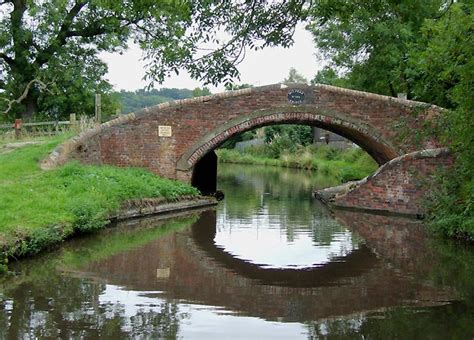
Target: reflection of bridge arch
[(352, 265), (194, 276)]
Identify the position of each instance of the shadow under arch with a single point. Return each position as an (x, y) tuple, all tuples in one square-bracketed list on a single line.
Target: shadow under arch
[(354, 264), (201, 161)]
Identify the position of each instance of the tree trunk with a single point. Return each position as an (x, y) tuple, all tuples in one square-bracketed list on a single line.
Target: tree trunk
[(31, 107)]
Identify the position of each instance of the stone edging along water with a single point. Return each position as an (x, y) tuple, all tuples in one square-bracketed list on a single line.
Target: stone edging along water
[(130, 209), (156, 206)]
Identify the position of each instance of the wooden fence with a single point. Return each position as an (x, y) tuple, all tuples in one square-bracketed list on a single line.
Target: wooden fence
[(18, 125)]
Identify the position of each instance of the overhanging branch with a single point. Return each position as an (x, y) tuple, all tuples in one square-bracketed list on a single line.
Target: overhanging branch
[(10, 102)]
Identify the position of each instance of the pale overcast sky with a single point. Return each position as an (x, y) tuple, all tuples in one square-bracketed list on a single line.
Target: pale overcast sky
[(267, 66)]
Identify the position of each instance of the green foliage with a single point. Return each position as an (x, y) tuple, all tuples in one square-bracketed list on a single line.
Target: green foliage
[(88, 216), (344, 165), (3, 265), (329, 76), (200, 92), (58, 42), (132, 101), (443, 62), (451, 204), (370, 40), (73, 82), (278, 145), (299, 134), (446, 65), (423, 48), (41, 208)]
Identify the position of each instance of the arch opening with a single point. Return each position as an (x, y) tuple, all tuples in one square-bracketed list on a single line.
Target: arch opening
[(359, 133), (204, 172)]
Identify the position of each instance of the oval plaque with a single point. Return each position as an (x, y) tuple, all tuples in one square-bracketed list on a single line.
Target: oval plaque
[(296, 96)]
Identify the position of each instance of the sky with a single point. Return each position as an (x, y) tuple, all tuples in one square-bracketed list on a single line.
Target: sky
[(267, 66)]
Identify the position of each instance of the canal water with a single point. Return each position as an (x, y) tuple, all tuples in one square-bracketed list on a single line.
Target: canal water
[(268, 262)]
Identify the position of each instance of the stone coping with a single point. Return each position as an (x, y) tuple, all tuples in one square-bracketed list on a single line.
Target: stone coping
[(147, 207)]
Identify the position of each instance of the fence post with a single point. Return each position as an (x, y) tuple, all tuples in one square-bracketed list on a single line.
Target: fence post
[(18, 124), (98, 113), (72, 121)]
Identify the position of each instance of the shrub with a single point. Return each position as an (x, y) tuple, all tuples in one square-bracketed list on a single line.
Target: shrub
[(278, 145), (88, 217)]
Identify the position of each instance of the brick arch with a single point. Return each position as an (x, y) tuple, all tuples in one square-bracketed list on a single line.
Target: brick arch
[(384, 126), (358, 132)]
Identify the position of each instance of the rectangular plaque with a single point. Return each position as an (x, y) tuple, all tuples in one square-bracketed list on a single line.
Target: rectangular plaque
[(164, 131)]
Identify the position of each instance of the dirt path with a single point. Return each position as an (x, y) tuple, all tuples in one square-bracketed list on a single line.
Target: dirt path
[(9, 147)]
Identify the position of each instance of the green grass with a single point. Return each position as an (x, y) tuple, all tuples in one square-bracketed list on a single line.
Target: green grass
[(345, 165), (40, 208)]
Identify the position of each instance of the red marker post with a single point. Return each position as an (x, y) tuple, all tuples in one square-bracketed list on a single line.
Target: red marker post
[(18, 125)]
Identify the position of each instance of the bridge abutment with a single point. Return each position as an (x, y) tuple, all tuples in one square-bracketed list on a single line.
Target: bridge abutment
[(399, 186)]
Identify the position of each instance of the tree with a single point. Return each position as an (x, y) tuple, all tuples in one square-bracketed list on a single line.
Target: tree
[(73, 82), (329, 76), (207, 38), (134, 100), (199, 92), (445, 75), (295, 77), (370, 40), (424, 48)]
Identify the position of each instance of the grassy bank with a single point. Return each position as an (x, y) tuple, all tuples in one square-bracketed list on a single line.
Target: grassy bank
[(41, 208), (345, 165)]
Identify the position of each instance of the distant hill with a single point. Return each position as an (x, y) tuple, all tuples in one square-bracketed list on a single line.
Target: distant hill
[(135, 100)]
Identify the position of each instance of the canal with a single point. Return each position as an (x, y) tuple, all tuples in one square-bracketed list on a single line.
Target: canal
[(268, 262)]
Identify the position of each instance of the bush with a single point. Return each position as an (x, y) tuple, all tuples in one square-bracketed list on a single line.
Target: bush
[(88, 216), (279, 145)]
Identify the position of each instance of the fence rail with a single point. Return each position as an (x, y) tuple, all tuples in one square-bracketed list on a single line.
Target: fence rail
[(18, 125), (52, 123)]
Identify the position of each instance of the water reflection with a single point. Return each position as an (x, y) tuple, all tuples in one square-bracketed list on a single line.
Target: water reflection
[(280, 227), (185, 278)]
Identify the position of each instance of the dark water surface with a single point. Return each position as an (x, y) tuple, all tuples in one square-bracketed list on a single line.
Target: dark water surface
[(269, 262)]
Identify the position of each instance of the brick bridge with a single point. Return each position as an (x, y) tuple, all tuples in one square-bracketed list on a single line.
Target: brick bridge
[(176, 139)]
